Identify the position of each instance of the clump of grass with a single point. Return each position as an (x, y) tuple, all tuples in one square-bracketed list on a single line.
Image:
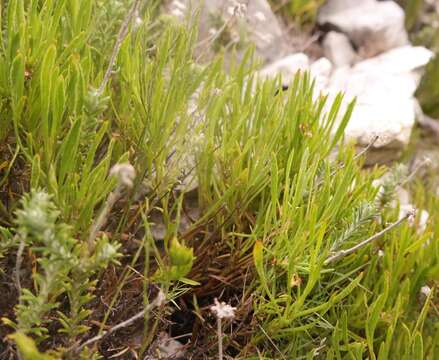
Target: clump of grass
[(235, 192)]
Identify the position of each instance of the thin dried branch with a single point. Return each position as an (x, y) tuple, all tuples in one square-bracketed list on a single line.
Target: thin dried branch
[(18, 262), (101, 220), (367, 148), (342, 253), (342, 165), (120, 38), (157, 302), (425, 162), (272, 342), (125, 174)]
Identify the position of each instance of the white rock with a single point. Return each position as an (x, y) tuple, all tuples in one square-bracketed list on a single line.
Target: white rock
[(403, 59), (321, 67), (321, 71), (338, 49), (383, 87), (373, 26), (288, 66), (385, 105), (334, 6)]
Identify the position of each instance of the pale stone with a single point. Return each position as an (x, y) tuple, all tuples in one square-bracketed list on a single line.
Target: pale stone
[(338, 49), (321, 70), (385, 105), (288, 67), (373, 26), (252, 21)]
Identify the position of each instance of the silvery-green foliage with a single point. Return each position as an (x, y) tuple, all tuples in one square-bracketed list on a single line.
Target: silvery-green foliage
[(61, 266), (54, 247)]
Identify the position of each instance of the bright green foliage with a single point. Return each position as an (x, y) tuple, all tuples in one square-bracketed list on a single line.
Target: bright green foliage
[(27, 347), (413, 10), (278, 193), (428, 90), (47, 70), (302, 12), (182, 259)]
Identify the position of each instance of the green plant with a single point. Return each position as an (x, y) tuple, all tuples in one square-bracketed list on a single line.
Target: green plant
[(302, 12), (428, 89)]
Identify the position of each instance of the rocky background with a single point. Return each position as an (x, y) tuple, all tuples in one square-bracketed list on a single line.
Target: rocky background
[(374, 51)]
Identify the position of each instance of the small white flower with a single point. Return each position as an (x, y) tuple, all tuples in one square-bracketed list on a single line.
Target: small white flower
[(407, 210), (377, 183), (212, 31), (425, 290), (260, 16), (216, 91), (177, 13), (423, 217), (125, 174), (138, 22), (177, 4), (427, 161), (241, 10), (267, 38), (237, 9), (223, 310), (380, 253)]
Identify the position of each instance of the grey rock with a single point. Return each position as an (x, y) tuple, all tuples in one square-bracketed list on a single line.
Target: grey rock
[(385, 105), (373, 26), (335, 6), (224, 23), (288, 66), (338, 49)]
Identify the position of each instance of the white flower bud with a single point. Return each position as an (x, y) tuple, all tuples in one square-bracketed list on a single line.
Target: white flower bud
[(425, 290), (260, 16), (223, 310), (179, 5), (125, 174), (237, 9)]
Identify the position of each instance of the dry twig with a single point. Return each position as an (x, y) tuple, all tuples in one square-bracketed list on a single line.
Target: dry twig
[(342, 253), (157, 302), (120, 38), (18, 262)]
